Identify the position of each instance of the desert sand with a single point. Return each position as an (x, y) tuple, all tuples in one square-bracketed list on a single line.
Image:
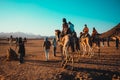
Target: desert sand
[(103, 67)]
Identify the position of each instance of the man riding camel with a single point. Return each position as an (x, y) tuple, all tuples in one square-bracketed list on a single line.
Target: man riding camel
[(86, 31), (65, 27), (95, 37), (67, 30), (94, 32)]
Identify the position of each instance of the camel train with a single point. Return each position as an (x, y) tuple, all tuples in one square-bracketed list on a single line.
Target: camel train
[(83, 46), (86, 48)]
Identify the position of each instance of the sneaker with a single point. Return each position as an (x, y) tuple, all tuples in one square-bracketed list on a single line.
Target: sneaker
[(19, 63)]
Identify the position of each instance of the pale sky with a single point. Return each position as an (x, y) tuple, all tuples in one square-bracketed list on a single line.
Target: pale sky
[(44, 16)]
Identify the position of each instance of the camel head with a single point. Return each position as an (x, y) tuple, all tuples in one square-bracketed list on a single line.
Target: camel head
[(57, 34)]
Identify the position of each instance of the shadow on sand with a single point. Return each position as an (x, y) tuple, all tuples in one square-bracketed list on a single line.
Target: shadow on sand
[(88, 74), (49, 63), (78, 73)]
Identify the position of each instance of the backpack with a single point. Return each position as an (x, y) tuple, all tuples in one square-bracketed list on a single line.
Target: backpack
[(47, 44)]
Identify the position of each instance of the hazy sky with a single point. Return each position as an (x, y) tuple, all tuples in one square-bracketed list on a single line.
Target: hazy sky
[(44, 16)]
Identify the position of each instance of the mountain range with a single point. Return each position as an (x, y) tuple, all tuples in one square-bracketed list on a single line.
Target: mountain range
[(19, 34), (115, 31)]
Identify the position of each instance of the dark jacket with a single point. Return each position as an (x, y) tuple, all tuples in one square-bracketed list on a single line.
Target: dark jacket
[(21, 47), (46, 44)]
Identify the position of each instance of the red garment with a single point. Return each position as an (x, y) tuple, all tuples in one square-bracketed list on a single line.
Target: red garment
[(65, 25), (86, 30), (65, 28), (94, 33)]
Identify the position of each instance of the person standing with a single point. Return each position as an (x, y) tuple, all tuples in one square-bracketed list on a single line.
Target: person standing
[(21, 50), (103, 42), (54, 44), (117, 43), (11, 41), (108, 41), (46, 46), (16, 42), (25, 40)]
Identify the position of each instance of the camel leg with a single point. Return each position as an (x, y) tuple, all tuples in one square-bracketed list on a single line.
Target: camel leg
[(99, 51), (78, 55), (62, 62), (62, 58), (64, 65), (67, 57), (89, 49), (72, 62), (84, 50), (64, 54)]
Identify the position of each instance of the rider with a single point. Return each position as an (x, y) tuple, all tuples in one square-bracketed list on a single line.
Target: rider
[(66, 29), (71, 27), (85, 31), (95, 37), (94, 32)]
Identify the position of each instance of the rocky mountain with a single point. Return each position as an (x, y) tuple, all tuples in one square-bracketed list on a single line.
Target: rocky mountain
[(115, 31), (19, 34)]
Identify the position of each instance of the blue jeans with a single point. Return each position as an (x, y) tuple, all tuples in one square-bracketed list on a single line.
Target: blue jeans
[(47, 54)]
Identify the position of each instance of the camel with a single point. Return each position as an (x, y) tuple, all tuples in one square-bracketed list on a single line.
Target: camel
[(89, 44), (96, 42), (85, 46), (11, 55), (65, 43)]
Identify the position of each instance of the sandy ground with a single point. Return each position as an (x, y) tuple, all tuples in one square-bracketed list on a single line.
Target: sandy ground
[(105, 67)]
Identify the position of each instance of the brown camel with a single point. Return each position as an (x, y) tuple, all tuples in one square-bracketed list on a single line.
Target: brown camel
[(11, 55)]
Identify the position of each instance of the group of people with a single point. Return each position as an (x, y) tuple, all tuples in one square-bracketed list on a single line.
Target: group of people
[(20, 44), (67, 28), (47, 44)]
